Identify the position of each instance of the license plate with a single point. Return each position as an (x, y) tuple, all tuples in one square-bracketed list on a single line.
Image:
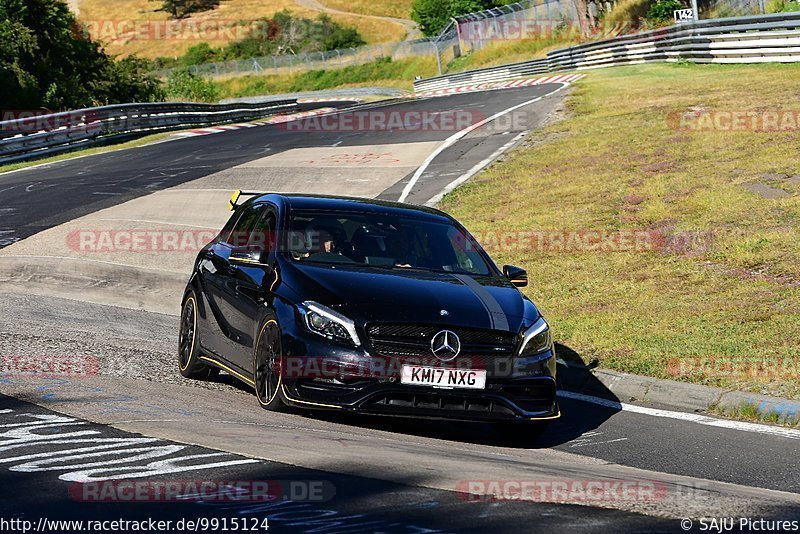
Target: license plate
[(443, 378)]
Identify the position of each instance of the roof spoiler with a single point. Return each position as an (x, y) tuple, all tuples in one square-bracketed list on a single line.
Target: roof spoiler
[(236, 194)]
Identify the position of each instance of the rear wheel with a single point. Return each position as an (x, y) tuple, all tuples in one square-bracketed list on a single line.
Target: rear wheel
[(189, 362), (267, 363)]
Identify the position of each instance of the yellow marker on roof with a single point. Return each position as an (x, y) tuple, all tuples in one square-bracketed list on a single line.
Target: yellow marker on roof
[(234, 199)]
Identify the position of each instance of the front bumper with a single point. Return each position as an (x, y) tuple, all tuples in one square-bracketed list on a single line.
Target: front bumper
[(340, 378), (521, 400)]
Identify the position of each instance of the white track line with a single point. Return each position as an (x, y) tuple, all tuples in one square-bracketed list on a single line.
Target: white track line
[(450, 141), (683, 416), (474, 170)]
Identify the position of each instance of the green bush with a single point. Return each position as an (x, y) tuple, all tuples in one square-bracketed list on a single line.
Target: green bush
[(184, 85), (661, 11), (198, 54), (182, 8), (433, 15), (281, 34), (783, 6)]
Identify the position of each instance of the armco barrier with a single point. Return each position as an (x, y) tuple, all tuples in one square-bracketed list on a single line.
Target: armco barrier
[(490, 74), (753, 39), (23, 139)]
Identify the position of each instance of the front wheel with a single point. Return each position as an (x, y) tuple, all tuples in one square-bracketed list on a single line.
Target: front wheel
[(267, 366), (189, 362)]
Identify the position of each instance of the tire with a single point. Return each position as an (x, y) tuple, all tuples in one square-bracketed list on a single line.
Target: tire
[(267, 365), (189, 363)]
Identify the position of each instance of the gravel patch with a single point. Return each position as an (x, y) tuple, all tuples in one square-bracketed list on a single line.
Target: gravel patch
[(115, 341)]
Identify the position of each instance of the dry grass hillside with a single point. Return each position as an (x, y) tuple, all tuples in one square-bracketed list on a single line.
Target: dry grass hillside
[(113, 23)]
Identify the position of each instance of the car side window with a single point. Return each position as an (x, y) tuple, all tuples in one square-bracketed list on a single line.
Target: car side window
[(263, 232), (240, 235)]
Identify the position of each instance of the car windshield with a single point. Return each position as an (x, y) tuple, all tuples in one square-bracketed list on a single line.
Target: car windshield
[(382, 241)]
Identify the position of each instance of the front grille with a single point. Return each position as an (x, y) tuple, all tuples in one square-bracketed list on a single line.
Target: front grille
[(409, 340), (452, 404)]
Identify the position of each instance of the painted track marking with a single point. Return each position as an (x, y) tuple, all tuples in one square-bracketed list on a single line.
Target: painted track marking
[(683, 416), (450, 141)]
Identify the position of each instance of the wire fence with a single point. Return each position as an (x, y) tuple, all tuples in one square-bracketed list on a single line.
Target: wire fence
[(527, 19), (331, 59), (733, 8)]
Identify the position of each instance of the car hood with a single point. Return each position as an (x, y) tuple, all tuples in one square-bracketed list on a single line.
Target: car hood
[(413, 296)]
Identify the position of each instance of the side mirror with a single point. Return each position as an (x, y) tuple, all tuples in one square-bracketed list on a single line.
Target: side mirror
[(517, 275), (252, 255)]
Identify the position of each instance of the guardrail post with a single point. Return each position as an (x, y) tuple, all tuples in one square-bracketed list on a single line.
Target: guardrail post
[(458, 32), (438, 58)]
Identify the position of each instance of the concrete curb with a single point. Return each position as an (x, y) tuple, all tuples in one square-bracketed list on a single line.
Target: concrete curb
[(684, 396)]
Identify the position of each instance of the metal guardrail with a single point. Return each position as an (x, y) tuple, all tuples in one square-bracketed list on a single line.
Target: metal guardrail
[(28, 138), (752, 39), (489, 74)]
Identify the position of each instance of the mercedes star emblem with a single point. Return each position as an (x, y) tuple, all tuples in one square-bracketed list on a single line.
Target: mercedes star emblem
[(445, 345)]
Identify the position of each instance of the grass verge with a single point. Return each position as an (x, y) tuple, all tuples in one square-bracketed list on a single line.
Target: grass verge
[(502, 53), (383, 72), (724, 283), (784, 415)]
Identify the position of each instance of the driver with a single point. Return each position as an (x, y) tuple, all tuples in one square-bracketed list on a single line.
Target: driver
[(322, 241)]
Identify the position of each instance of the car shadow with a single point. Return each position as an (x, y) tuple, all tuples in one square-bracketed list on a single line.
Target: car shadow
[(577, 416)]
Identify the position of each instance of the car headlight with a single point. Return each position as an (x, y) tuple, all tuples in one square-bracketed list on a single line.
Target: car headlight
[(328, 323), (536, 338)]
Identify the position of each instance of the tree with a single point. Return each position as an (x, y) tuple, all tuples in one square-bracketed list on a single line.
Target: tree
[(129, 80), (47, 60), (336, 36), (179, 9), (433, 15)]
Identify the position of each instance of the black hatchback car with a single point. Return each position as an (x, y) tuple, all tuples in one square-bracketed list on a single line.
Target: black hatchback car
[(367, 306)]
